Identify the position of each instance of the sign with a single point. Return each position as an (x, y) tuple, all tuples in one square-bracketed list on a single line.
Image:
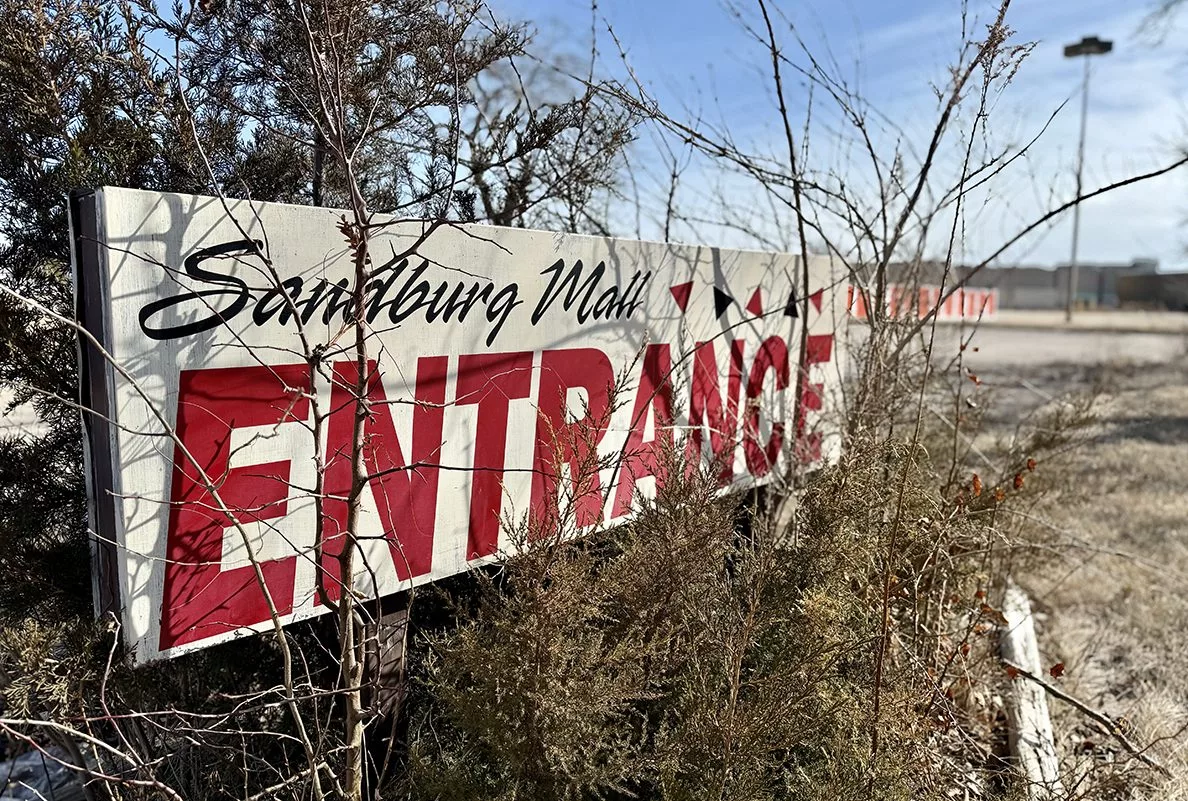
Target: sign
[(967, 303), (513, 377)]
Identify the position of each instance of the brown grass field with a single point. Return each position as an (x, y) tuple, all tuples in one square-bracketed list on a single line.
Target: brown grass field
[(1112, 593)]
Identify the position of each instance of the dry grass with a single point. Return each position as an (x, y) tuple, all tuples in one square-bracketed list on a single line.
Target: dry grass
[(1113, 602)]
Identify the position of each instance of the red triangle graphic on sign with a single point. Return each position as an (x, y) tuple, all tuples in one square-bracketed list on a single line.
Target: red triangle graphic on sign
[(816, 298), (681, 293), (755, 304)]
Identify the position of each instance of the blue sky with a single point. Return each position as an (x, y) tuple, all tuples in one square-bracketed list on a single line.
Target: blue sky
[(694, 56)]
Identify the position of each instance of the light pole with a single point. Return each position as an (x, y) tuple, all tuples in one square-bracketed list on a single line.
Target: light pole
[(1089, 46)]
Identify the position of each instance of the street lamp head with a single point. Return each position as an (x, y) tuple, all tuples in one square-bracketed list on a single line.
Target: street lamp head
[(1089, 46)]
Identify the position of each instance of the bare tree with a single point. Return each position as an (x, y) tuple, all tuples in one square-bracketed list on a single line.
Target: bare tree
[(536, 155)]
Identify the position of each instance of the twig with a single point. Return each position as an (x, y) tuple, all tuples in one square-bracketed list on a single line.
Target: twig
[(1112, 726)]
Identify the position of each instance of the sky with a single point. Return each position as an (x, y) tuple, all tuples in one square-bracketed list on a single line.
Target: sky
[(695, 58)]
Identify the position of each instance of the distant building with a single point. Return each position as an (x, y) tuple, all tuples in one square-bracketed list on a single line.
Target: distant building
[(1023, 287), (1152, 290)]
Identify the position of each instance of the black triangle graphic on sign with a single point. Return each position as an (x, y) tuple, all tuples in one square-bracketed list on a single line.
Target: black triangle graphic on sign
[(721, 301), (790, 309)]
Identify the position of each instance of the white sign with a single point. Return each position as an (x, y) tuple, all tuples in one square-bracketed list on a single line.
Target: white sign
[(501, 362)]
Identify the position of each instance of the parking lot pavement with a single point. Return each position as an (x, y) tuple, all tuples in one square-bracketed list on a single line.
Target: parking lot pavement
[(1003, 346), (1098, 320)]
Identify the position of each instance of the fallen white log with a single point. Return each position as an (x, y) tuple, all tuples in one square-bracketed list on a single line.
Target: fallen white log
[(1031, 738)]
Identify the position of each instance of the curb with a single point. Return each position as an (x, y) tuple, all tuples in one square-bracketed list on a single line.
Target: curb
[(1074, 329)]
